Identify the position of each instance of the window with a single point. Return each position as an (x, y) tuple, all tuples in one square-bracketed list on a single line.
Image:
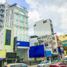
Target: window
[(2, 10), (8, 37), (45, 21), (2, 15), (35, 25)]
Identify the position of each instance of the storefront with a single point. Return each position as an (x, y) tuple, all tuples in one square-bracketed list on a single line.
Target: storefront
[(22, 50), (2, 62)]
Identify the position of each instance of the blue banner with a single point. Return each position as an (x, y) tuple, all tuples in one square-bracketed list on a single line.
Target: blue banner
[(36, 51), (22, 43)]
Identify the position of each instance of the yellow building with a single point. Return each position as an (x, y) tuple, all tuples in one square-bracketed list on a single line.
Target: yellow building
[(63, 39)]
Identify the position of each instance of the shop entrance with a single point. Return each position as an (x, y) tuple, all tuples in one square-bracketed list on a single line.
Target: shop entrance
[(23, 54)]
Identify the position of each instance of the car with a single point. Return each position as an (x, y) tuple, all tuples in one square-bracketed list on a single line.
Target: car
[(17, 65), (58, 64), (44, 64)]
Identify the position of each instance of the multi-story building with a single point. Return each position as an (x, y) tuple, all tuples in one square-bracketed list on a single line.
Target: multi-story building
[(44, 30), (6, 42), (13, 27), (2, 16), (50, 43), (43, 27), (18, 20)]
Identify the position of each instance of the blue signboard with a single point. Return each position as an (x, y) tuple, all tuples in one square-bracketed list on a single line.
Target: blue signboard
[(22, 43), (48, 54), (36, 51)]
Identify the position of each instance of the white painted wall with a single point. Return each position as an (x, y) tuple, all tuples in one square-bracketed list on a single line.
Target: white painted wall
[(42, 28)]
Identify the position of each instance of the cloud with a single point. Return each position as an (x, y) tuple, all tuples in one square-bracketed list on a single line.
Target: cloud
[(56, 10), (2, 1), (33, 16)]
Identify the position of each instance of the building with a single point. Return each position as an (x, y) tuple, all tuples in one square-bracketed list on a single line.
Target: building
[(6, 41), (2, 16), (63, 39), (44, 30), (13, 28), (18, 19), (50, 43), (43, 27)]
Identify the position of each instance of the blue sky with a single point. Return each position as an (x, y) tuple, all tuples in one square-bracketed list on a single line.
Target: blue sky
[(56, 10), (19, 2)]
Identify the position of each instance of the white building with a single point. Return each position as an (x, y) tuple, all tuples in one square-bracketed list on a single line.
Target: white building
[(13, 24), (18, 19), (44, 30), (43, 27), (50, 43), (2, 16)]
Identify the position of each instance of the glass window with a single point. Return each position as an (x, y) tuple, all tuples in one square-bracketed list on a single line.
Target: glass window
[(8, 37)]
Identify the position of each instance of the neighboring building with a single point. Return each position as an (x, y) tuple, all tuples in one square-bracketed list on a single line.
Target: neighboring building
[(13, 27), (46, 36), (6, 41), (44, 30), (50, 43), (2, 17), (63, 39), (43, 27), (18, 17)]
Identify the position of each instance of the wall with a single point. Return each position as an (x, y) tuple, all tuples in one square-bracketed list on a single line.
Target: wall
[(43, 27)]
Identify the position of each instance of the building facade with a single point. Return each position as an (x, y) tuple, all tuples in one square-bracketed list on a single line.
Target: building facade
[(13, 25), (2, 16), (44, 30), (63, 39), (18, 19), (43, 27)]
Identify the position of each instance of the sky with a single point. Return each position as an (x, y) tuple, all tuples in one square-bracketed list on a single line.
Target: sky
[(56, 10)]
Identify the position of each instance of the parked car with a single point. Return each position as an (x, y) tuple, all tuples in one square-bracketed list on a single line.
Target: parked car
[(58, 64), (44, 64), (17, 65)]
